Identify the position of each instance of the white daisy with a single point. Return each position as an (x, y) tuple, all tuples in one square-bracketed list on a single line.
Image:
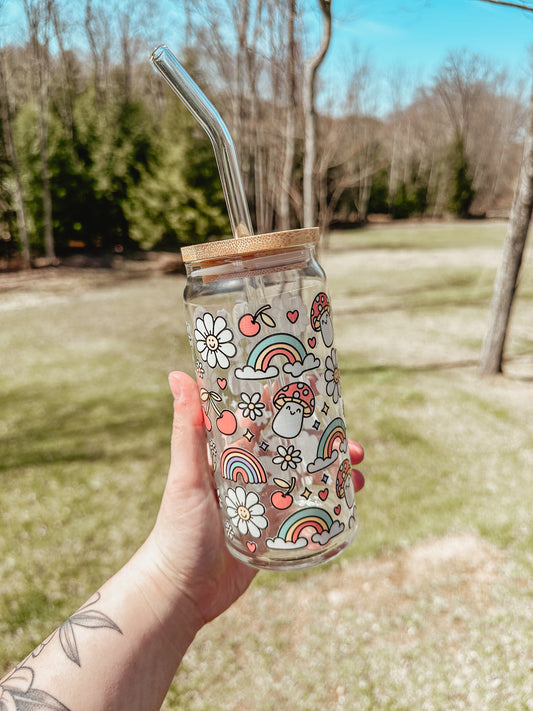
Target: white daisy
[(251, 406), (245, 511), (214, 340), (287, 457), (333, 384)]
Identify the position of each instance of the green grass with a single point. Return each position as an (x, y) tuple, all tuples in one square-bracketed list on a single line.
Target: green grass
[(425, 236), (85, 416)]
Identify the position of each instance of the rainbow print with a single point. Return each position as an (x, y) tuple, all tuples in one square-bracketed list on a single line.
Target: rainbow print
[(236, 461), (336, 430), (283, 344), (319, 519)]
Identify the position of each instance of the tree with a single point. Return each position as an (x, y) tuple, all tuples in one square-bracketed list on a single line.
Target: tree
[(39, 20), (513, 249), (311, 67), (12, 156)]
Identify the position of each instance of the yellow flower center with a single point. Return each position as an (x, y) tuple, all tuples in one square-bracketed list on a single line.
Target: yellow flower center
[(243, 513)]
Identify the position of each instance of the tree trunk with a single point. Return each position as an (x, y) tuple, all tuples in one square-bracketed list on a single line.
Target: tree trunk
[(45, 172), (290, 125), (38, 17), (308, 90), (513, 250), (13, 159)]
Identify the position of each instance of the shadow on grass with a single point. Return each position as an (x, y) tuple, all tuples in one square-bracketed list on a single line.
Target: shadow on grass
[(49, 428)]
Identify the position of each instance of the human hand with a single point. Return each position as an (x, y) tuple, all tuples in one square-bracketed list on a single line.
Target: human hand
[(188, 538)]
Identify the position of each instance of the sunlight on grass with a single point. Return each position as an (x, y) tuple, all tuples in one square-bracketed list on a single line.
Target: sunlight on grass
[(85, 423)]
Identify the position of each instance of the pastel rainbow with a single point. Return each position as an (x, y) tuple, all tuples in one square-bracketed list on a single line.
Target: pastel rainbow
[(284, 344), (236, 461), (336, 430), (292, 527)]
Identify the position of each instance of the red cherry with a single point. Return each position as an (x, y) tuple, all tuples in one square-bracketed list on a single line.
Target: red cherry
[(248, 326), (226, 423), (281, 500), (207, 421)]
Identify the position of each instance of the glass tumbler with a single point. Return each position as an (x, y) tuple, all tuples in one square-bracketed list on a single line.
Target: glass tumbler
[(261, 333)]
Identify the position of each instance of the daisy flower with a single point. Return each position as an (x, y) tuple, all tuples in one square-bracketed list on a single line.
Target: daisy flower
[(250, 405), (245, 511), (214, 340), (287, 457), (333, 385)]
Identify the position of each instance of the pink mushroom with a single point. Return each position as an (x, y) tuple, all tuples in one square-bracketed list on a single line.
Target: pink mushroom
[(293, 402), (321, 318)]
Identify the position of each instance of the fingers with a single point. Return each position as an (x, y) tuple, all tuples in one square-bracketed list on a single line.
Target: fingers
[(356, 457), (357, 453), (358, 480)]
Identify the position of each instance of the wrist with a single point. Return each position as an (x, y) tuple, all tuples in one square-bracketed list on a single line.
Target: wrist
[(174, 611)]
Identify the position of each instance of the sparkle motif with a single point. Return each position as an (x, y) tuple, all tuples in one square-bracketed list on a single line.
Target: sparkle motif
[(316, 424), (325, 409), (248, 435), (325, 478), (306, 493), (263, 446)]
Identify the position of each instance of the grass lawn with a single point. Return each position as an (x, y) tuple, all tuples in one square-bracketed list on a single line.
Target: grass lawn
[(431, 607)]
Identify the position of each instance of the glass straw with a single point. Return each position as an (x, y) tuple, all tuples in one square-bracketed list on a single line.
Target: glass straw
[(210, 120)]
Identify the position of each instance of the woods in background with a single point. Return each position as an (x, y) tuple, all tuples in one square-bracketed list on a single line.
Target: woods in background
[(97, 154)]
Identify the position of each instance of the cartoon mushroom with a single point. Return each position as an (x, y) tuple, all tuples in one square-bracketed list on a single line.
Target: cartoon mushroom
[(293, 402), (343, 487), (321, 318)]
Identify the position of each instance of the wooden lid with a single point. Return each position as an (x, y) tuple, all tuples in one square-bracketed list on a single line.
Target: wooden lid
[(242, 246)]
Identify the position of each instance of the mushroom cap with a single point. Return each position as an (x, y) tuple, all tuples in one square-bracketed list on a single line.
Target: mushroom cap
[(296, 392), (343, 473), (320, 304)]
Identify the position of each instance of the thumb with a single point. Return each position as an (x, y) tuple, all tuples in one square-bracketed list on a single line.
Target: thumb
[(189, 465)]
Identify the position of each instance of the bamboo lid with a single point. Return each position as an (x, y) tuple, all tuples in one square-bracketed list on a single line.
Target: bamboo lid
[(243, 246)]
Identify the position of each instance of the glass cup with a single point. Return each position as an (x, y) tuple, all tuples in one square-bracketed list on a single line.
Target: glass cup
[(261, 333)]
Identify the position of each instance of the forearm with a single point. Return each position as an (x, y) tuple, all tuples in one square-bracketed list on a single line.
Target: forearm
[(118, 651)]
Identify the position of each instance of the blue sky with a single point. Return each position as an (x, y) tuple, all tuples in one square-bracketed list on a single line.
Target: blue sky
[(396, 37), (414, 36)]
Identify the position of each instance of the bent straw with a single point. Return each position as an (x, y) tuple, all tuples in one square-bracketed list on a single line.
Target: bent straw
[(210, 120)]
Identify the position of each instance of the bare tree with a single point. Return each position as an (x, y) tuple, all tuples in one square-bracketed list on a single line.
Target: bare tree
[(39, 20), (505, 285), (18, 195), (311, 67), (509, 268), (284, 221)]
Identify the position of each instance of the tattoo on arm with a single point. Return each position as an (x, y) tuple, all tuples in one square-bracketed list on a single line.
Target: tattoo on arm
[(17, 693), (16, 690), (84, 617)]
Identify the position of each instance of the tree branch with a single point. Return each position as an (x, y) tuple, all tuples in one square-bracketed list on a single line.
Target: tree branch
[(505, 3)]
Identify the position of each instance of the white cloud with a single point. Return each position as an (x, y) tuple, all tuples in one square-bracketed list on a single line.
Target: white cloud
[(323, 538), (249, 373), (319, 464), (297, 368), (280, 544)]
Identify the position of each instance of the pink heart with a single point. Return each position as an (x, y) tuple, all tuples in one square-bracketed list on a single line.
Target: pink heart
[(222, 382), (312, 342), (323, 493), (337, 510), (251, 546), (292, 316)]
